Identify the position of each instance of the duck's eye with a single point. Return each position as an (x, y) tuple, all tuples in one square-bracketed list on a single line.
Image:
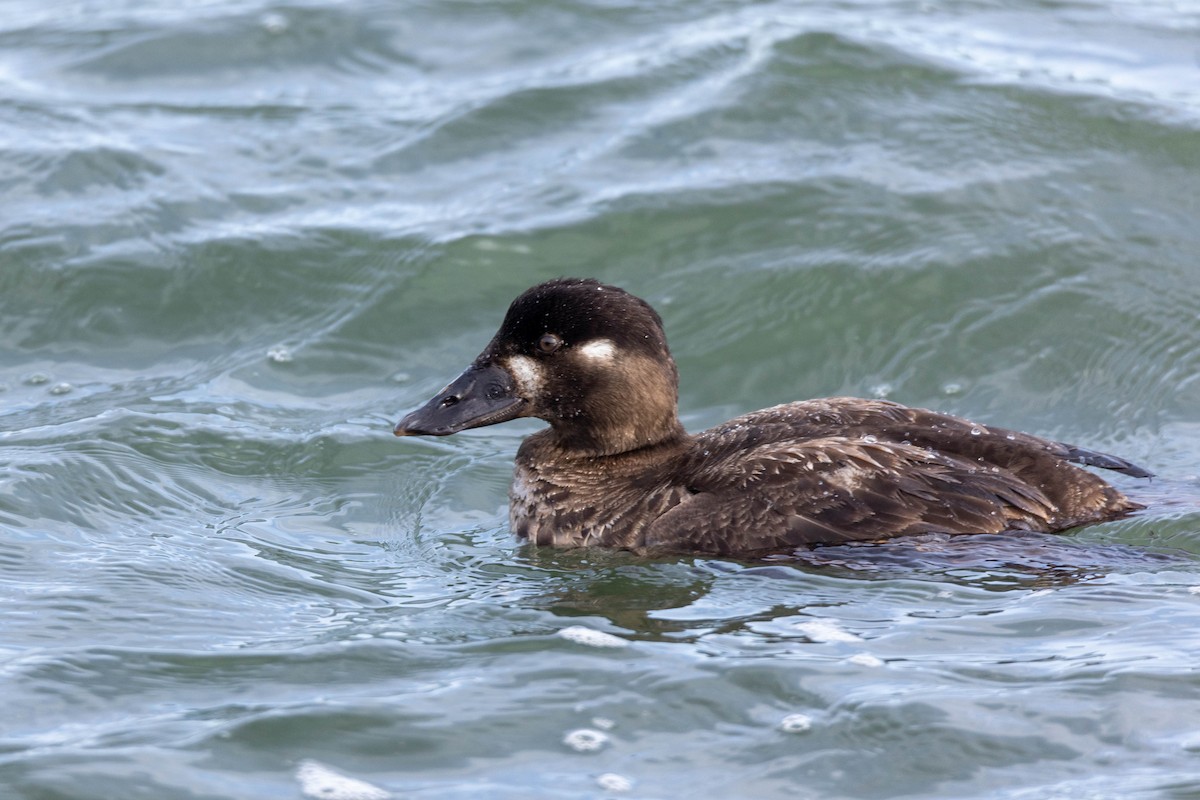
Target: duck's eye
[(549, 343)]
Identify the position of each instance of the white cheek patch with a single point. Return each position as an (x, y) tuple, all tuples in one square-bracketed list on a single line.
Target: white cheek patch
[(527, 373), (599, 350)]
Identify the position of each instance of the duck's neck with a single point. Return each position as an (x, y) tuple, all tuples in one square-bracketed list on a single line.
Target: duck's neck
[(598, 441), (639, 410)]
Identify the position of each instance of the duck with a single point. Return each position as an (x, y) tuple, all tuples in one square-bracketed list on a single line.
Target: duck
[(616, 468)]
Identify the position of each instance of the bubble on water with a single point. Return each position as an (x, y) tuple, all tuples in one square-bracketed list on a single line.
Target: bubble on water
[(400, 377), (881, 390), (612, 782), (61, 388), (603, 723), (952, 388), (279, 354), (36, 379), (586, 636), (319, 781), (826, 630), (585, 740), (865, 660), (796, 723)]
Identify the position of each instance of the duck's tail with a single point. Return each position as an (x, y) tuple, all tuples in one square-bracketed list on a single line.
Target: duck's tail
[(1092, 458)]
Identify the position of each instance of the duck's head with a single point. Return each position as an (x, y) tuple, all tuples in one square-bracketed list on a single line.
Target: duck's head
[(590, 359)]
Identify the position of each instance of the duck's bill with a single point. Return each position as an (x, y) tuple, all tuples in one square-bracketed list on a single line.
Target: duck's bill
[(483, 395)]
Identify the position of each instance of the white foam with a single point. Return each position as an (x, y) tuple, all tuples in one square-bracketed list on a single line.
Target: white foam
[(585, 740), (865, 660), (826, 630), (612, 782), (795, 723), (279, 354), (319, 781), (586, 636)]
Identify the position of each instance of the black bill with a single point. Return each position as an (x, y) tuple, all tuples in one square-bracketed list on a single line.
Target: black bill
[(483, 395)]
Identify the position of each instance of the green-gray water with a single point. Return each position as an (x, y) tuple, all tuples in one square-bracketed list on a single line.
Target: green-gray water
[(238, 239)]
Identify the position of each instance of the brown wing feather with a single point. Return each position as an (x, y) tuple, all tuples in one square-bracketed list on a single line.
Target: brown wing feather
[(834, 490), (1079, 495), (844, 469), (853, 416)]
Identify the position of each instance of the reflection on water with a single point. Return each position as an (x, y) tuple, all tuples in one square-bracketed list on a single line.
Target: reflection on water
[(237, 238)]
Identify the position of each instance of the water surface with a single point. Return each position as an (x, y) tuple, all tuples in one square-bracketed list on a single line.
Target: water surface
[(238, 239)]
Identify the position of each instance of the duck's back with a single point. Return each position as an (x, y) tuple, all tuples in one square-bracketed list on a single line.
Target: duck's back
[(844, 469)]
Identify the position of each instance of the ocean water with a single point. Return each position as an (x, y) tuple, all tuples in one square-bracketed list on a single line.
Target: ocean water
[(239, 239)]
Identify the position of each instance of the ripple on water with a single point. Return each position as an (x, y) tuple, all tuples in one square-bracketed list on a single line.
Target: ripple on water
[(219, 569)]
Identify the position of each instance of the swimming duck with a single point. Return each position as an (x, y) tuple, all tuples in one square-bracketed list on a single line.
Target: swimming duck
[(617, 469)]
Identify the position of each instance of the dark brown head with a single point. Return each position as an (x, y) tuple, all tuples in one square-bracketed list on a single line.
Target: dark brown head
[(590, 359)]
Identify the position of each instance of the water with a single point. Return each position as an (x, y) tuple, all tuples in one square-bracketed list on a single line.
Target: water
[(239, 239)]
